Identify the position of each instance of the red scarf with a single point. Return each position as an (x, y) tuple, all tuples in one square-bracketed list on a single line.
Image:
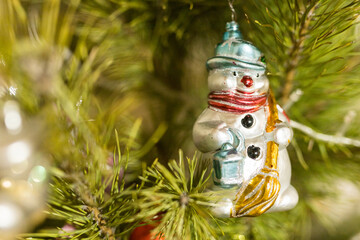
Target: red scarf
[(236, 101)]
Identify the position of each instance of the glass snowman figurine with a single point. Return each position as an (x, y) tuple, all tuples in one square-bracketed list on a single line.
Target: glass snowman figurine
[(244, 132)]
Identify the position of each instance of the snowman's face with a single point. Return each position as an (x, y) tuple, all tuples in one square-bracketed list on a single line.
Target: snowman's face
[(241, 79)]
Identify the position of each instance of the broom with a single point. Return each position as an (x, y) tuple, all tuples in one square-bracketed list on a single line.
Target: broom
[(258, 194)]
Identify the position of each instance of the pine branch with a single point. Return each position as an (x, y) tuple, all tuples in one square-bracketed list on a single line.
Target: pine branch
[(303, 43), (296, 51), (324, 137), (179, 198), (91, 213)]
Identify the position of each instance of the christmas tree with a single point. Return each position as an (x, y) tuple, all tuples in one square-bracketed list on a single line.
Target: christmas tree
[(99, 98)]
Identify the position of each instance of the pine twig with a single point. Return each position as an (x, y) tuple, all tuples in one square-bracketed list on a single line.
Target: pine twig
[(295, 54), (178, 195), (324, 137), (101, 222)]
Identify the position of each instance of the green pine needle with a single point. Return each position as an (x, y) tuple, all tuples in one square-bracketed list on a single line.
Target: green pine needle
[(177, 196)]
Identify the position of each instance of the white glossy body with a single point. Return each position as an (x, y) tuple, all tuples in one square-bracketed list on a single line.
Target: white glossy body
[(211, 132)]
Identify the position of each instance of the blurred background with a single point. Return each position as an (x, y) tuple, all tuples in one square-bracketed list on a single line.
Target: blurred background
[(73, 71)]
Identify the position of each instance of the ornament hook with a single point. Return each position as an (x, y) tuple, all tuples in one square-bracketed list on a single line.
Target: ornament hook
[(233, 12)]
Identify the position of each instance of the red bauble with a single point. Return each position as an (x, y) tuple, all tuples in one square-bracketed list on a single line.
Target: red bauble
[(144, 233)]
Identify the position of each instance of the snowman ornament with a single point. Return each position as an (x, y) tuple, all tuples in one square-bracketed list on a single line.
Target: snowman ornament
[(244, 132)]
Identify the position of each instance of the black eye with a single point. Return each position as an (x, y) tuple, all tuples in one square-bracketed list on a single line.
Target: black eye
[(247, 121), (257, 75), (235, 74), (253, 152)]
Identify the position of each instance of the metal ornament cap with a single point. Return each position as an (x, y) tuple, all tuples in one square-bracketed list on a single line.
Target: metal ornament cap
[(234, 52)]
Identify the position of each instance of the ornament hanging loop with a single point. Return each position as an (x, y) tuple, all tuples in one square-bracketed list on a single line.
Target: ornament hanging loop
[(233, 12)]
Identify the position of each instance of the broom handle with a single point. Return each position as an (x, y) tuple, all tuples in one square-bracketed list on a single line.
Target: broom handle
[(273, 118)]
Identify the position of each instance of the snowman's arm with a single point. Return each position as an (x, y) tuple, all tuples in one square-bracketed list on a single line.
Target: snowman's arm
[(283, 133), (210, 135)]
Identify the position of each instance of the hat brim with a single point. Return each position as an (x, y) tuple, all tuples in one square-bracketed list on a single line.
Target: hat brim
[(229, 62)]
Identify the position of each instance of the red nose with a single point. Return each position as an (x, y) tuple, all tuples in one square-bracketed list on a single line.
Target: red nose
[(247, 81)]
